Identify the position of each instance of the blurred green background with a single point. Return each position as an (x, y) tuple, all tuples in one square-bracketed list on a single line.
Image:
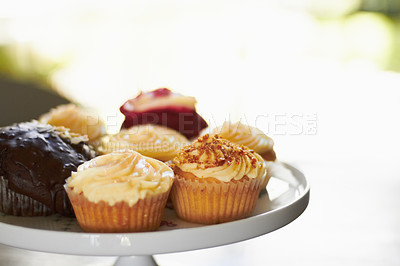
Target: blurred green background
[(365, 30)]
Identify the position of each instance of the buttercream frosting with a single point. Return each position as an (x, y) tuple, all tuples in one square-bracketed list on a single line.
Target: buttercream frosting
[(121, 176), (212, 156), (245, 135), (154, 141), (76, 119)]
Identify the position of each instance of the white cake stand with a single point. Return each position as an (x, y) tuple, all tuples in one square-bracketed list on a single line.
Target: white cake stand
[(286, 197)]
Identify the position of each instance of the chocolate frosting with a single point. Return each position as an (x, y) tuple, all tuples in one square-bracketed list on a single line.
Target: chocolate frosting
[(36, 159)]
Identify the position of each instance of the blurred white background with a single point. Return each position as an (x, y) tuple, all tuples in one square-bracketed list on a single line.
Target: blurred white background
[(295, 69)]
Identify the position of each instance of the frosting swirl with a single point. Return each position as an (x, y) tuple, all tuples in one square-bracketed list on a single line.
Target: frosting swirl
[(211, 156), (76, 119), (121, 176), (245, 135), (154, 141)]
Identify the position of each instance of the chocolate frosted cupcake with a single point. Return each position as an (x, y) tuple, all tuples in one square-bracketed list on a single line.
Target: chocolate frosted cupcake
[(216, 181), (35, 160), (154, 141)]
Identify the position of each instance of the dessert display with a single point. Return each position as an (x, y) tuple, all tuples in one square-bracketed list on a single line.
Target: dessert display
[(166, 108), (76, 119), (248, 136), (50, 166), (122, 191), (35, 160), (150, 140), (216, 181)]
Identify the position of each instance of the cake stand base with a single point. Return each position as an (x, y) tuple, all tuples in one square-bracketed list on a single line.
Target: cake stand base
[(135, 260)]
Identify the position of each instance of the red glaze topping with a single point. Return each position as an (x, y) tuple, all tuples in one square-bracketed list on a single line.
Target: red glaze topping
[(182, 118), (162, 92)]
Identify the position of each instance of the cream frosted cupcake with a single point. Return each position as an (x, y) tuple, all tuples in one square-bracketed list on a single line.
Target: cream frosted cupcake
[(120, 192), (252, 138), (216, 181), (154, 141), (76, 119), (248, 136)]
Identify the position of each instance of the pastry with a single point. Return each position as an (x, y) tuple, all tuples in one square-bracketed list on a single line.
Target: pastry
[(76, 119), (252, 138), (122, 191), (248, 136), (166, 108), (154, 141), (216, 181), (35, 160)]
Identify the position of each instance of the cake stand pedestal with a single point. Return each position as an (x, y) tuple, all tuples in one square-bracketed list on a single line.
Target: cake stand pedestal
[(136, 260)]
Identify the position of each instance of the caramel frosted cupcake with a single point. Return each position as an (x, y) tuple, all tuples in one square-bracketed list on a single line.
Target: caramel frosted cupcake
[(120, 192), (154, 141), (248, 136), (76, 119), (216, 181)]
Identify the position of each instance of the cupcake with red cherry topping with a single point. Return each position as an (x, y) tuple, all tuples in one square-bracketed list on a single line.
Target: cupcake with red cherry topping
[(166, 108)]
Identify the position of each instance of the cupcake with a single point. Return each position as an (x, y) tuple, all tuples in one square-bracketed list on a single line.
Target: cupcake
[(77, 120), (153, 141), (122, 191), (252, 138), (166, 108), (216, 181), (35, 160), (248, 136)]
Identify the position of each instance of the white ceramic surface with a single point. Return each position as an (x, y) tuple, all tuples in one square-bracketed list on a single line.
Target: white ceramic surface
[(286, 197)]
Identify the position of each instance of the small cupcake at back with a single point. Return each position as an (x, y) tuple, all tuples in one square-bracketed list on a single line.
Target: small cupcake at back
[(122, 191), (252, 138), (77, 119), (166, 108), (248, 136), (216, 181), (154, 141)]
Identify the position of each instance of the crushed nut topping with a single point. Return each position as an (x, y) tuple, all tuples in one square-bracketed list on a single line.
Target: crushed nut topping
[(213, 151)]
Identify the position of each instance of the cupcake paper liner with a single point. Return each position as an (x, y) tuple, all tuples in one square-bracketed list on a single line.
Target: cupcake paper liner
[(101, 217), (18, 204), (210, 201)]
